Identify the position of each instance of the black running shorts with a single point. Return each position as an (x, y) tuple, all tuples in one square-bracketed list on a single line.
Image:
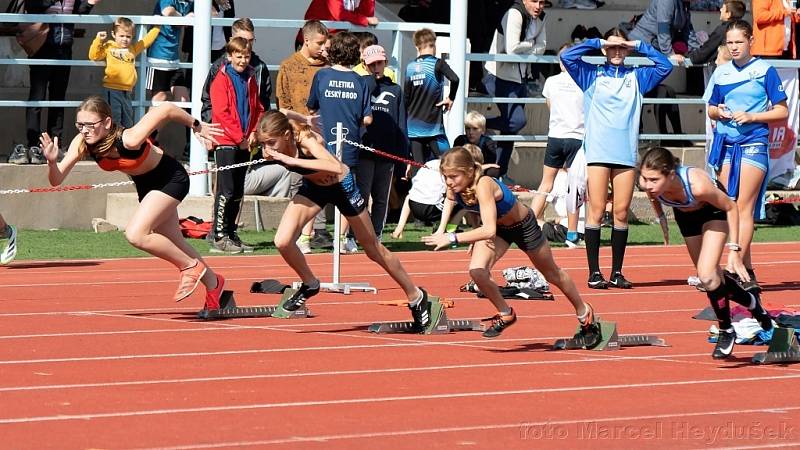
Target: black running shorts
[(168, 176), (525, 233), (344, 195), (691, 222)]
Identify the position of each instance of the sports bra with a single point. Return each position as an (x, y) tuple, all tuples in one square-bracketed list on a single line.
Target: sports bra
[(503, 205), (691, 202), (128, 159)]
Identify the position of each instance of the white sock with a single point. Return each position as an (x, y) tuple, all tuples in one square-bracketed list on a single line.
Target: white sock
[(415, 302)]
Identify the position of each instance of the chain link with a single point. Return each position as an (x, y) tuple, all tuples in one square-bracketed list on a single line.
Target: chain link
[(79, 187)]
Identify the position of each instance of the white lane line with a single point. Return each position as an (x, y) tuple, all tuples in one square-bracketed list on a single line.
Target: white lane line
[(370, 400), (336, 373), (521, 426), (409, 343), (460, 271)]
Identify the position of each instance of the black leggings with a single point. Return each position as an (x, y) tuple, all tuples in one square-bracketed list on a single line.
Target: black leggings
[(230, 189)]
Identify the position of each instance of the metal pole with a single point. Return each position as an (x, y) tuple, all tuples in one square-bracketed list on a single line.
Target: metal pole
[(458, 62), (337, 217), (201, 59)]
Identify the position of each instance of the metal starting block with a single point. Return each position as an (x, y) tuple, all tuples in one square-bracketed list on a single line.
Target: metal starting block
[(439, 323), (229, 310), (783, 348), (609, 340), (280, 313)]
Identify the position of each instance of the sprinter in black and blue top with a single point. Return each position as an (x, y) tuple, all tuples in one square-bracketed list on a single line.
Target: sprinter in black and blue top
[(505, 221), (707, 219), (612, 106)]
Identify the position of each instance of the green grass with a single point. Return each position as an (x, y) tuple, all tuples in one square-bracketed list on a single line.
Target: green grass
[(69, 244)]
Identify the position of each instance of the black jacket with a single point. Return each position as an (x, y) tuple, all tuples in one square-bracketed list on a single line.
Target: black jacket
[(706, 52), (59, 34), (260, 71)]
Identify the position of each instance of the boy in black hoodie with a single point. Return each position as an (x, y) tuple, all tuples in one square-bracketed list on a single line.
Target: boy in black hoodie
[(387, 133)]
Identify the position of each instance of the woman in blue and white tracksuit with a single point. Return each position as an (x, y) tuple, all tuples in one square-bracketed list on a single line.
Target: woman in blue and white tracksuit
[(739, 94), (612, 106)]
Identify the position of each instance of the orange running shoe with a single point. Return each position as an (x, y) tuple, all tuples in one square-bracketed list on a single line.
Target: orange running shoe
[(213, 295), (190, 278)]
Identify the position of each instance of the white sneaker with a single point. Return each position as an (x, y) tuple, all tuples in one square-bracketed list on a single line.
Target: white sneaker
[(349, 246), (304, 242), (578, 243), (585, 4), (10, 250)]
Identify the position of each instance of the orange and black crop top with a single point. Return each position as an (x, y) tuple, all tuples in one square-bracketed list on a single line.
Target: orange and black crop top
[(128, 159)]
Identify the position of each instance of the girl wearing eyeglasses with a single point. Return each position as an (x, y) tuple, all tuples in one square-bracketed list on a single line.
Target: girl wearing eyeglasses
[(161, 183)]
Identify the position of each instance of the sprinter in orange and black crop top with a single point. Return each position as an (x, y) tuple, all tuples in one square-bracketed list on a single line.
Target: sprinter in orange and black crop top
[(161, 183), (325, 180)]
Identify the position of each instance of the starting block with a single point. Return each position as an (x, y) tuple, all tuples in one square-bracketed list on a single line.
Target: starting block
[(229, 310), (782, 349), (439, 322), (609, 340), (280, 313)]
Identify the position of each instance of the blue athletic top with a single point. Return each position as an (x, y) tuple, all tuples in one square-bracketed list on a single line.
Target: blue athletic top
[(691, 202), (750, 88), (166, 46), (613, 100), (503, 205)]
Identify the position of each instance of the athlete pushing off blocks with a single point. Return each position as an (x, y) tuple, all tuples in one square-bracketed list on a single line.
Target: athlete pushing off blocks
[(505, 221)]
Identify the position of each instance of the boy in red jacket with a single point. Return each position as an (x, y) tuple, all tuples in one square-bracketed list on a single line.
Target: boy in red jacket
[(236, 107)]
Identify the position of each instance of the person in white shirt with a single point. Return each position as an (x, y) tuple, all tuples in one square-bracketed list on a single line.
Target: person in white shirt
[(565, 101)]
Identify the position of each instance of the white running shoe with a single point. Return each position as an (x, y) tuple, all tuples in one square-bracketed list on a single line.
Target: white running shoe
[(349, 246), (304, 242), (10, 249)]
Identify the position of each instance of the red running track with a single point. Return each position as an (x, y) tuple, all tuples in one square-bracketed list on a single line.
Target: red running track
[(95, 355)]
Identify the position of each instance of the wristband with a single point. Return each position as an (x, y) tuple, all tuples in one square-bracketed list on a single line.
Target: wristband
[(453, 240), (734, 247)]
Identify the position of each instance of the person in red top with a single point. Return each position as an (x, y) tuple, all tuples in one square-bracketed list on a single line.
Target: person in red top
[(161, 183), (236, 107), (357, 12)]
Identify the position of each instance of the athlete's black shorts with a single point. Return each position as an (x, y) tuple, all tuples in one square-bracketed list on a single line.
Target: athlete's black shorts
[(561, 151), (525, 233), (344, 195), (691, 222), (168, 176)]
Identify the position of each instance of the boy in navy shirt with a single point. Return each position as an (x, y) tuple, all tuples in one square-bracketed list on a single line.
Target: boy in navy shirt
[(340, 95), (387, 133), (425, 79)]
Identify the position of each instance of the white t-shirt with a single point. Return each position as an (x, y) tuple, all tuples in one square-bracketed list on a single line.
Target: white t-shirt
[(427, 186), (566, 106)]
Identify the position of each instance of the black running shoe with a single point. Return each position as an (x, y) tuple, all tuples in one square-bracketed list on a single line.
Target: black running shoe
[(724, 346), (751, 286), (298, 299), (596, 281), (590, 331), (499, 323), (421, 312), (619, 281)]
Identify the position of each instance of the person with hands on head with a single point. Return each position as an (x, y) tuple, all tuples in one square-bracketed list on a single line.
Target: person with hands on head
[(612, 107), (709, 222), (505, 221), (161, 183), (325, 180), (743, 96)]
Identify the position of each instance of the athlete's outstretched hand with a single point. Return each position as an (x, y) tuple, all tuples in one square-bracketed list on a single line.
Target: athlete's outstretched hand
[(205, 132), (49, 147), (736, 266), (437, 241)]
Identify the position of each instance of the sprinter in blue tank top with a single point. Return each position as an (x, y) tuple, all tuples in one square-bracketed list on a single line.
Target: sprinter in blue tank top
[(612, 107), (739, 95), (505, 221), (708, 219)]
